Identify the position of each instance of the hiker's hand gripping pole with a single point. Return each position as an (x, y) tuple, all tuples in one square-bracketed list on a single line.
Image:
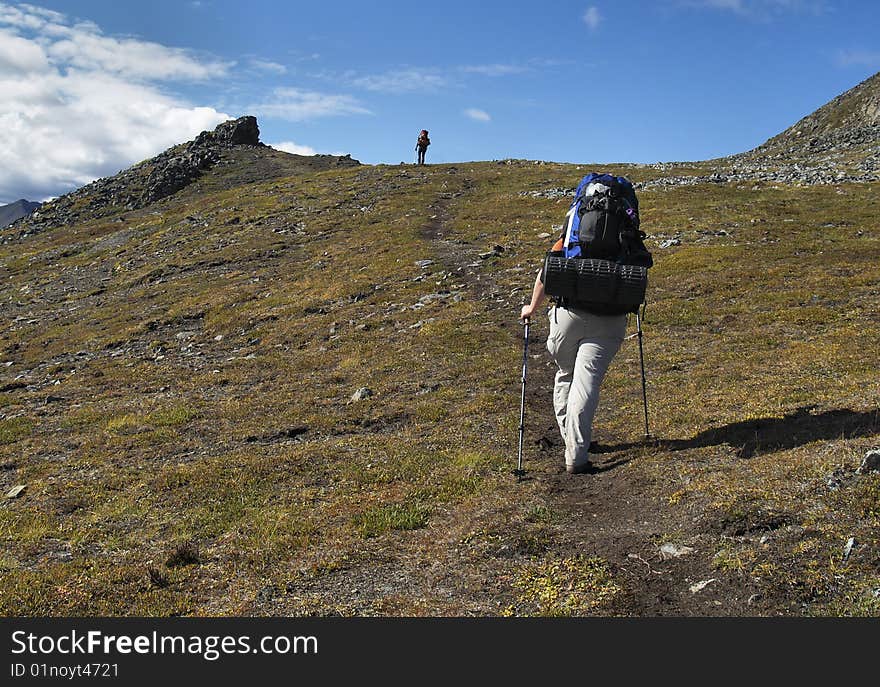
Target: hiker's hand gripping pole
[(525, 315)]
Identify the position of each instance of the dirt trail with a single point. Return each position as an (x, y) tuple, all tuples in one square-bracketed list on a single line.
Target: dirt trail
[(612, 513)]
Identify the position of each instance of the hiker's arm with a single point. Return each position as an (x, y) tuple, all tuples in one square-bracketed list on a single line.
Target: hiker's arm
[(538, 296)]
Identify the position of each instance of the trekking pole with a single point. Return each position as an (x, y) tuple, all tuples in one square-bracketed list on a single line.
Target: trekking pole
[(644, 384), (519, 472)]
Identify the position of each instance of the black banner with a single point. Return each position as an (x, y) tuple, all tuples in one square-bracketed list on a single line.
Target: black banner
[(251, 650)]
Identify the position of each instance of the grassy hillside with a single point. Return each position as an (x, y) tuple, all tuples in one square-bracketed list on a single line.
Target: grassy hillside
[(177, 398)]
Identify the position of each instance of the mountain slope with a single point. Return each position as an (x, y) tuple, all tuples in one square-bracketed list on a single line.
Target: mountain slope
[(845, 131), (290, 387), (233, 146), (15, 211), (178, 396)]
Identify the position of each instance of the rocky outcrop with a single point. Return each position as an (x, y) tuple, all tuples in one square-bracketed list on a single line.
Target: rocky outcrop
[(178, 167), (15, 211), (838, 143), (845, 129), (236, 132), (752, 172), (146, 182)]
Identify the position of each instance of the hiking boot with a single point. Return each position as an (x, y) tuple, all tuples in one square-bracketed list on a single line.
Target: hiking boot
[(583, 469)]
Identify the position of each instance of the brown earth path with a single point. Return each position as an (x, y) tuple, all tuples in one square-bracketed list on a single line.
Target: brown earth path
[(613, 514), (616, 514)]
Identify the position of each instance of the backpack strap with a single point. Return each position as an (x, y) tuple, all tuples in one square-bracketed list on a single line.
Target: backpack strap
[(571, 243)]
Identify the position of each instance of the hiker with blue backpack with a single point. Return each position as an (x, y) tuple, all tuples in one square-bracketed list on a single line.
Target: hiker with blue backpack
[(596, 273)]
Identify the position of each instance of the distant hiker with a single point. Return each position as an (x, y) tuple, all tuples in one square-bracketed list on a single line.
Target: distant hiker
[(422, 144), (587, 326)]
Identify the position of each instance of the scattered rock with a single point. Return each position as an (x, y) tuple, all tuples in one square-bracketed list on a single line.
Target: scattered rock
[(361, 394), (428, 388), (551, 193), (870, 463), (16, 491), (668, 243), (820, 174), (289, 433), (670, 550), (424, 263), (699, 586), (496, 250), (847, 549), (429, 298), (835, 480)]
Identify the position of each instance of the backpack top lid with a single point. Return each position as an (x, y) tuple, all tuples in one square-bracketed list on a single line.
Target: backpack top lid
[(596, 184), (597, 181)]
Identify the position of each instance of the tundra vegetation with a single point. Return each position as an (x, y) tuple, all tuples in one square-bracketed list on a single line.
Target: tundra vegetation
[(178, 397)]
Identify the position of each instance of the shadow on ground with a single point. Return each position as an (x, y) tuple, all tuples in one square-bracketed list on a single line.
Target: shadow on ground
[(754, 437)]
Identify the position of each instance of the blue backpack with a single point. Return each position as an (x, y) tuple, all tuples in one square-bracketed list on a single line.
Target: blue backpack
[(603, 265), (603, 222)]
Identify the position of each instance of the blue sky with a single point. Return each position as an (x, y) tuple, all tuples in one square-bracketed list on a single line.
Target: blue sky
[(92, 86)]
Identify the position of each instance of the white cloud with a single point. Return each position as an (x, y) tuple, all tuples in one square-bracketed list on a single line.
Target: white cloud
[(494, 69), (295, 148), (69, 130), (734, 5), (295, 104), (268, 66), (84, 46), (477, 115), (78, 105), (401, 81), (847, 58), (20, 56), (592, 17), (131, 58), (761, 9), (31, 18)]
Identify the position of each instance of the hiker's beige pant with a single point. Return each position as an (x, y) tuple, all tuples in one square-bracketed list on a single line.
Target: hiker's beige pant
[(582, 344)]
